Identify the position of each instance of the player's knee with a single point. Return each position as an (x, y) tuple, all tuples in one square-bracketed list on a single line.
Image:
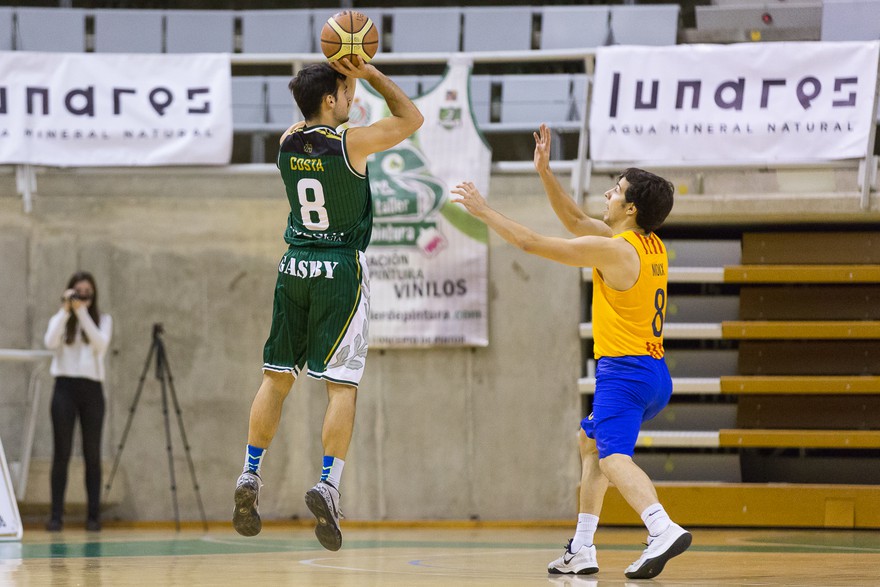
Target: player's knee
[(278, 383), (614, 462), (341, 392), (586, 444)]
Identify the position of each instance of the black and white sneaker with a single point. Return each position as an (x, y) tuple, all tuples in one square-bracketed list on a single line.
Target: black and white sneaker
[(245, 517), (323, 501), (672, 542), (582, 562)]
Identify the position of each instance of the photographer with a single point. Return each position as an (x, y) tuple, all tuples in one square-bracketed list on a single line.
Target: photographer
[(80, 335)]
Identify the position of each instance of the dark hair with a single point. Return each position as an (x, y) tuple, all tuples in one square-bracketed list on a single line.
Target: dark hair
[(652, 196), (73, 321), (311, 84)]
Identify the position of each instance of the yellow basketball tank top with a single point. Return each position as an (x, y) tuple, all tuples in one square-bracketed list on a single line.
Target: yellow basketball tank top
[(630, 323)]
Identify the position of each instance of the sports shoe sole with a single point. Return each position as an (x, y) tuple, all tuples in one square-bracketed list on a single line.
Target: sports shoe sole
[(245, 519), (327, 530), (654, 566), (586, 571)]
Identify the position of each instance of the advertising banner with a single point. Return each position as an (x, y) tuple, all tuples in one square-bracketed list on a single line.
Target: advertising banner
[(758, 102), (427, 256), (82, 110)]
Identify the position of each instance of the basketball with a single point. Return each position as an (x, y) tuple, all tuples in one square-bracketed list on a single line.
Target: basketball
[(349, 33)]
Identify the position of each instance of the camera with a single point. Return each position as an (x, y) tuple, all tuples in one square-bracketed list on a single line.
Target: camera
[(75, 296)]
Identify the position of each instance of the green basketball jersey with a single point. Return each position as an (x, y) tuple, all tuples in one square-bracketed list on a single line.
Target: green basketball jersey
[(330, 203)]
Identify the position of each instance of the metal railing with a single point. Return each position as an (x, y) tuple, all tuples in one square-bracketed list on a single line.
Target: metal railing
[(20, 468)]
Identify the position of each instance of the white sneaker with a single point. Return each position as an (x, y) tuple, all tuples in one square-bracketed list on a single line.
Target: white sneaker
[(672, 542), (323, 501), (582, 562), (245, 517)]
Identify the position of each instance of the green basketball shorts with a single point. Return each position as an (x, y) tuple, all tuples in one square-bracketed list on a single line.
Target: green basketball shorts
[(320, 316)]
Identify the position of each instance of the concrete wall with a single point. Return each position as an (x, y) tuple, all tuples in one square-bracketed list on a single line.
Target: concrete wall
[(447, 433)]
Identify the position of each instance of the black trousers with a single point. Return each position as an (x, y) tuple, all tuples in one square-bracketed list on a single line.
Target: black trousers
[(74, 397)]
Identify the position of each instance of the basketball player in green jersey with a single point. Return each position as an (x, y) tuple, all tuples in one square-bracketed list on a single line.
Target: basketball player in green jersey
[(321, 310)]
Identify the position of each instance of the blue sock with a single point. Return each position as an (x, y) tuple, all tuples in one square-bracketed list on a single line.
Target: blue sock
[(253, 459), (331, 472)]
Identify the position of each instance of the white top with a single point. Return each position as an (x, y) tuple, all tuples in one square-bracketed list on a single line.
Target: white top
[(79, 359)]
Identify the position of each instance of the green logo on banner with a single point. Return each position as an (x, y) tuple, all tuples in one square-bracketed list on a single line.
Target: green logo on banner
[(406, 199)]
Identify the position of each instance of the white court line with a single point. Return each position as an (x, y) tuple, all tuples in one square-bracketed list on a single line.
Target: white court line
[(823, 547)]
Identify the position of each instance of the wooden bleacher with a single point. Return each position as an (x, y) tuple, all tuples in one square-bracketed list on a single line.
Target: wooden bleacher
[(802, 274), (795, 425), (800, 384)]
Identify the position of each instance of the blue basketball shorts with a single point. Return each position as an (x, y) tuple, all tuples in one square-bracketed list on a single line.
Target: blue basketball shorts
[(629, 390)]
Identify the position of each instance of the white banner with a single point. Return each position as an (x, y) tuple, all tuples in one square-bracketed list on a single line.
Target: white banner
[(69, 109), (428, 256), (747, 102)]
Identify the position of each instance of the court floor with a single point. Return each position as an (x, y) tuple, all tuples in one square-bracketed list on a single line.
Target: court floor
[(426, 556)]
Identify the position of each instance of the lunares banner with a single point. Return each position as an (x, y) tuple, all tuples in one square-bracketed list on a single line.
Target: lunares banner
[(428, 256), (761, 102), (87, 110)]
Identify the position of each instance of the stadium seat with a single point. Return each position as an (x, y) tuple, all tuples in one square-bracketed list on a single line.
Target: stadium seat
[(202, 31), (6, 29), (277, 31), (282, 109), (655, 24), (574, 27), (502, 28), (481, 98), (536, 98), (578, 96), (408, 83), (807, 16), (850, 20), (248, 101), (410, 35), (128, 31), (51, 29), (428, 83)]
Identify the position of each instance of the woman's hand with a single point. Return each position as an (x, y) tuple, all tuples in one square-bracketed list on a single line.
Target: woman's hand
[(70, 301), (67, 299)]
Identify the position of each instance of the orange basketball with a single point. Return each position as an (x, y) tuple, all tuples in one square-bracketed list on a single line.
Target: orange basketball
[(349, 33)]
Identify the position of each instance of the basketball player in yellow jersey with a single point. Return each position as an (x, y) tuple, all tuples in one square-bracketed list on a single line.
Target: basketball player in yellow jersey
[(632, 382)]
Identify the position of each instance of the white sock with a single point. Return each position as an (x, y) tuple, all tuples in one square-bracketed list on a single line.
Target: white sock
[(334, 477), (656, 519), (586, 528)]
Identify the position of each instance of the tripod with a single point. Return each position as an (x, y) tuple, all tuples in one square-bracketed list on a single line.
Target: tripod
[(166, 381)]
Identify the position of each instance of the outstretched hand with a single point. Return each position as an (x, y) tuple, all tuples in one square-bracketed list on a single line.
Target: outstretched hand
[(352, 66), (542, 148), (469, 196)]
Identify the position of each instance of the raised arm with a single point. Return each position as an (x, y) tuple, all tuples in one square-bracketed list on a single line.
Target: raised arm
[(99, 338), (572, 217), (55, 330), (383, 134), (613, 256)]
